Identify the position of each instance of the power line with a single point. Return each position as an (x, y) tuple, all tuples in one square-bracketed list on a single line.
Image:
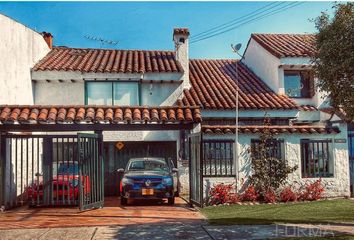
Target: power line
[(243, 22), (291, 5), (229, 23)]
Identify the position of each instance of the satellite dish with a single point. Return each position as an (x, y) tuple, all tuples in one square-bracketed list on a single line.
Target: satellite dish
[(237, 47)]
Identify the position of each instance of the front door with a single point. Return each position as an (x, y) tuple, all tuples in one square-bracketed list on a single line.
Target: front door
[(91, 172)]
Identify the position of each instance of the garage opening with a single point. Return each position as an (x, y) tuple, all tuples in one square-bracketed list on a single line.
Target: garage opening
[(117, 155)]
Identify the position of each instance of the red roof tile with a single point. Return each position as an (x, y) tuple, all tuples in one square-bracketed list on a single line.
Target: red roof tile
[(213, 86), (228, 129), (97, 114), (108, 61), (287, 45)]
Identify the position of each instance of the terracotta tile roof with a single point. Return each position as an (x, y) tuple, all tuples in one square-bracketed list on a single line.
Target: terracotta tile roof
[(308, 108), (108, 61), (97, 114), (287, 45), (228, 129), (213, 86)]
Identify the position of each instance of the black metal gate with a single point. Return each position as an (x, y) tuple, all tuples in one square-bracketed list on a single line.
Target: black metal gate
[(195, 167), (351, 161), (91, 171), (41, 170)]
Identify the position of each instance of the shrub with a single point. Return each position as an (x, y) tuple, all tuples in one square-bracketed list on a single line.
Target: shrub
[(250, 194), (269, 171), (270, 196), (288, 195), (313, 191), (222, 193)]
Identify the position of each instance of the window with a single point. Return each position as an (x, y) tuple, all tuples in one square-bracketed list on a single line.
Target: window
[(99, 93), (112, 93), (298, 84), (275, 148), (218, 160), (126, 94), (316, 159)]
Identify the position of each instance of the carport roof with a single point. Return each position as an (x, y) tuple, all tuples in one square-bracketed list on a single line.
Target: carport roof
[(96, 116)]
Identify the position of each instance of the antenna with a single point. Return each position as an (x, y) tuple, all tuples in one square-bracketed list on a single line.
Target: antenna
[(101, 40)]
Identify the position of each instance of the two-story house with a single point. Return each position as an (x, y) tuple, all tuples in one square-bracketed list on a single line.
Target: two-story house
[(274, 79), (161, 103)]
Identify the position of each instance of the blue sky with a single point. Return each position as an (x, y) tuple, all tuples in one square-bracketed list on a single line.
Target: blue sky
[(148, 25)]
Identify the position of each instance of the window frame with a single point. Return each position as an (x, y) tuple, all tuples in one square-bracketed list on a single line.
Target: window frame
[(223, 166), (331, 157), (301, 74), (112, 82), (280, 141)]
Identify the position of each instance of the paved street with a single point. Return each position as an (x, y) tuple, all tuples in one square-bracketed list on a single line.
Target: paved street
[(174, 230)]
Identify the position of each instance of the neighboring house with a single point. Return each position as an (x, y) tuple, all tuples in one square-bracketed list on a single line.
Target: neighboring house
[(21, 48), (285, 91), (147, 102)]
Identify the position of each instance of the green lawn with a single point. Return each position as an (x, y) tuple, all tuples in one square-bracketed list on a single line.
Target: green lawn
[(325, 211)]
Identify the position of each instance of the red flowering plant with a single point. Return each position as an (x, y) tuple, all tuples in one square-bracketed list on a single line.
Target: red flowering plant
[(270, 196), (222, 193), (288, 195), (312, 191), (250, 194)]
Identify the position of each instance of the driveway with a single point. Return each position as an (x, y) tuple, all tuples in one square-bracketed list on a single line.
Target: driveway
[(111, 214)]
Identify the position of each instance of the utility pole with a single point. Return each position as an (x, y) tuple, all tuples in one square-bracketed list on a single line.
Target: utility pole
[(236, 50)]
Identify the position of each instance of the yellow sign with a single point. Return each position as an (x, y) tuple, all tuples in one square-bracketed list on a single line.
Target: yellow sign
[(119, 145)]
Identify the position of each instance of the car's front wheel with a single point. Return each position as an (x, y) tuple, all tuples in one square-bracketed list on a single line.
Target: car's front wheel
[(123, 201), (171, 200)]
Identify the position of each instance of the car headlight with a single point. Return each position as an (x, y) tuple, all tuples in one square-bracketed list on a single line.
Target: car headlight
[(167, 181), (127, 181)]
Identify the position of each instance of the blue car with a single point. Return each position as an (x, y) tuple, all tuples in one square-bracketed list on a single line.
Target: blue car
[(148, 178)]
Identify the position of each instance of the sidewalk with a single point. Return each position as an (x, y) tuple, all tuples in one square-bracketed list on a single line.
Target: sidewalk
[(178, 230)]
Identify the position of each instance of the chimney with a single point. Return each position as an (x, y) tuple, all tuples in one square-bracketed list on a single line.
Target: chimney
[(181, 39), (48, 38)]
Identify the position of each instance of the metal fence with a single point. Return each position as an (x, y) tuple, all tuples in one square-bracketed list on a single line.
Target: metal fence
[(195, 166), (44, 170), (39, 170)]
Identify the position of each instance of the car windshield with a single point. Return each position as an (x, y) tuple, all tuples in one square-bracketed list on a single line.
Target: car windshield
[(147, 165), (66, 169)]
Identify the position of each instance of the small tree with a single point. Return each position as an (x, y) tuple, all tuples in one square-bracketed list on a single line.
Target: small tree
[(333, 60), (268, 172)]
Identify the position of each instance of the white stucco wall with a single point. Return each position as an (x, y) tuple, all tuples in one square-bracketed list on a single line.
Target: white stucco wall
[(264, 65), (20, 49)]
